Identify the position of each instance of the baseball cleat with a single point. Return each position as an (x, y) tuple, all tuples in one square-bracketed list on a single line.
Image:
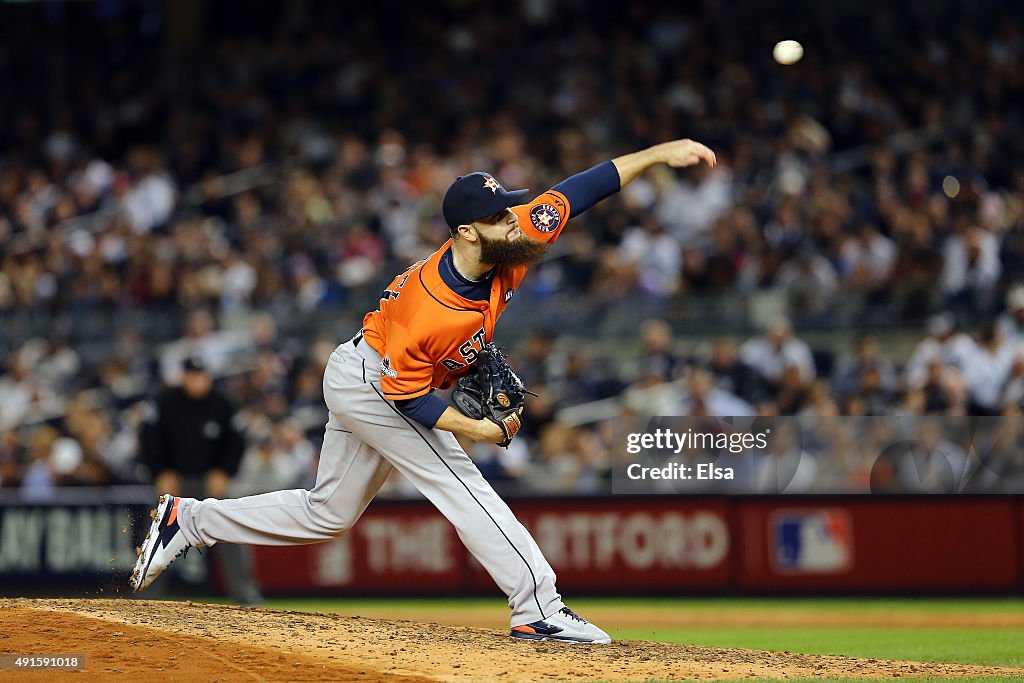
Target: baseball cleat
[(164, 542), (564, 626)]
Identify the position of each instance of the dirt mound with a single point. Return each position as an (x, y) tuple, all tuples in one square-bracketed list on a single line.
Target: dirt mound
[(143, 640)]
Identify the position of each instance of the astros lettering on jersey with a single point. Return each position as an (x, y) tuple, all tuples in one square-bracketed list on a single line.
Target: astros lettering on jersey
[(427, 334)]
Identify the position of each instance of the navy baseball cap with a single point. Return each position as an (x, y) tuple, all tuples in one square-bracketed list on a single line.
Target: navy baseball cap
[(193, 364), (475, 196)]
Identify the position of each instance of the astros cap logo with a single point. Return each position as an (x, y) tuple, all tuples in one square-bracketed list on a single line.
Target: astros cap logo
[(492, 185)]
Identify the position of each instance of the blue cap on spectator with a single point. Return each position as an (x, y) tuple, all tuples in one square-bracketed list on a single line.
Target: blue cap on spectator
[(194, 364), (475, 196)]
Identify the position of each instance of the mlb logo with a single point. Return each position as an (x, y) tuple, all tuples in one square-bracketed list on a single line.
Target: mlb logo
[(812, 541)]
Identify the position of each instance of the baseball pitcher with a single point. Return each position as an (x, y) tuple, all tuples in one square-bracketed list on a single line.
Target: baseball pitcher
[(433, 326)]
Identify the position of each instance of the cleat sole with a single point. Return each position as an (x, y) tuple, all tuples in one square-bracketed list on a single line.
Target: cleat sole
[(137, 571)]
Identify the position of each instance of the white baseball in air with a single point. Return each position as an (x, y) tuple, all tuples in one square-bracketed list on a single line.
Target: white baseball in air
[(787, 52)]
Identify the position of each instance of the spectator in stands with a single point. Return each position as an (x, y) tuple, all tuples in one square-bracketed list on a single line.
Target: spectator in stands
[(785, 467), (1011, 397), (866, 260), (1011, 322), (658, 357), (810, 281), (791, 392), (867, 355), (819, 401), (556, 467), (688, 208), (702, 397), (731, 374), (57, 364), (971, 269), (944, 344), (41, 473), (770, 354), (872, 395), (1000, 465), (22, 391), (202, 341), (584, 379), (89, 427), (266, 466), (930, 464), (987, 369), (500, 465), (650, 260), (650, 394), (148, 191)]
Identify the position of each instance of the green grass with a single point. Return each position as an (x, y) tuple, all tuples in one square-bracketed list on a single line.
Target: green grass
[(928, 679), (993, 646), (844, 605), (985, 646)]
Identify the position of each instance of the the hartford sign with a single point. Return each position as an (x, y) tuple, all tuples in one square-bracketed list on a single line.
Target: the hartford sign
[(591, 543), (406, 547)]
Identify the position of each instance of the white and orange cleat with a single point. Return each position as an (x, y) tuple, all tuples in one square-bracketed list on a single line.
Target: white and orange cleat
[(564, 626), (164, 542)]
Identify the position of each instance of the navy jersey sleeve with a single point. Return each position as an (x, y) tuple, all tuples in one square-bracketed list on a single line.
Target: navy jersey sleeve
[(585, 189), (425, 409)]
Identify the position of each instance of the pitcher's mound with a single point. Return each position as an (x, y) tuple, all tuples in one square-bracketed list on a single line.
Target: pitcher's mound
[(144, 640)]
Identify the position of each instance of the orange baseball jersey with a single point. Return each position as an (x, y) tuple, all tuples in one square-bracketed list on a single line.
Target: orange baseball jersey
[(427, 334)]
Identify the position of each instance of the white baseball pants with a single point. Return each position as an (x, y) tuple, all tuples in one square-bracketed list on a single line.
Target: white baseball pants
[(366, 438)]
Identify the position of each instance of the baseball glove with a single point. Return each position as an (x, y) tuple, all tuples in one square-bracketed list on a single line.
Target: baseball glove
[(492, 390)]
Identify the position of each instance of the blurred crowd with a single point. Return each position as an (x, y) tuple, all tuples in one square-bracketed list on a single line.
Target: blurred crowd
[(269, 392), (291, 160)]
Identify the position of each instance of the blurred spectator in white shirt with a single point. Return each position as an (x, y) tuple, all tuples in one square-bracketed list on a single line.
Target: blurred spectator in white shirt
[(21, 392), (970, 261), (654, 257), (987, 369), (704, 398), (688, 207), (951, 348), (771, 353), (866, 259), (266, 466), (149, 201), (809, 280), (203, 340)]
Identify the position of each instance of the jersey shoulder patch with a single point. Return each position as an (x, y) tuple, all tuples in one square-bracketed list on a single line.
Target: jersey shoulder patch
[(545, 217)]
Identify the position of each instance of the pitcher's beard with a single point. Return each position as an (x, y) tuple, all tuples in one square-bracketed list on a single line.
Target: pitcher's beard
[(522, 251)]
